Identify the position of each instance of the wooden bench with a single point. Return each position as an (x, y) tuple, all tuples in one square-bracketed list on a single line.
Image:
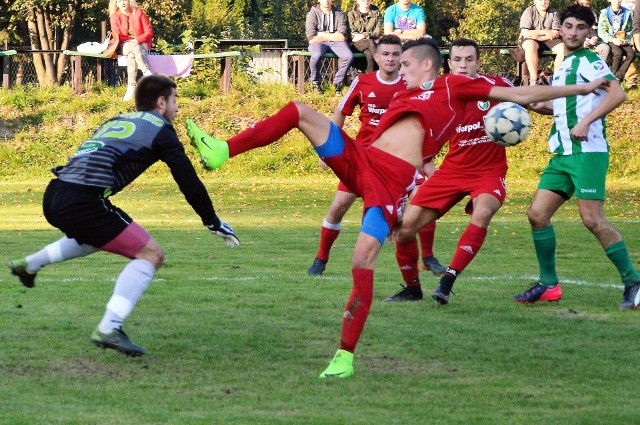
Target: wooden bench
[(299, 57), (6, 66), (77, 78)]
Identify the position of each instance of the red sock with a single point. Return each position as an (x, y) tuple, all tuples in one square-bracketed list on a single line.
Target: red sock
[(468, 246), (407, 255), (357, 309), (427, 234), (266, 131), (327, 238)]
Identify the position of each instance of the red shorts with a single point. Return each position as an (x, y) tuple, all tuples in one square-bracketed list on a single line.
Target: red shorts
[(442, 191), (381, 179)]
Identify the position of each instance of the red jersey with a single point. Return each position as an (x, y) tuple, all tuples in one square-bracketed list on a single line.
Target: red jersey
[(373, 95), (470, 149), (439, 105)]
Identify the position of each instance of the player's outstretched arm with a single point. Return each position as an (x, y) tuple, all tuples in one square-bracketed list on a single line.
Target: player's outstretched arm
[(225, 232), (525, 95), (614, 97)]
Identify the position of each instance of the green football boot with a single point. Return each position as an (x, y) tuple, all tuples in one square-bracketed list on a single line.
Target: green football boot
[(341, 366), (213, 152), (19, 268), (116, 340)]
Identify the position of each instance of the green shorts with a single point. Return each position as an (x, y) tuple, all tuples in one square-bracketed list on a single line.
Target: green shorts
[(582, 174)]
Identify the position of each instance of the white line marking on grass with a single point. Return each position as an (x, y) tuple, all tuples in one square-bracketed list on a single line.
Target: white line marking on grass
[(534, 278)]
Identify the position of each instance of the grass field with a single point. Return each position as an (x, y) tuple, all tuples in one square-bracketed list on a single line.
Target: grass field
[(240, 336)]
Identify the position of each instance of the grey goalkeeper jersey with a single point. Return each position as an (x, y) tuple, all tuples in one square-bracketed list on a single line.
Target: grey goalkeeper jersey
[(124, 147)]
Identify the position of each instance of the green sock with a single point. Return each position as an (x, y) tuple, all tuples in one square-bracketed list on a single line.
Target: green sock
[(544, 241), (619, 256)]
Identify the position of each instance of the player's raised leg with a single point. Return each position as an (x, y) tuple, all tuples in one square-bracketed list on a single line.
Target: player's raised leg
[(214, 152)]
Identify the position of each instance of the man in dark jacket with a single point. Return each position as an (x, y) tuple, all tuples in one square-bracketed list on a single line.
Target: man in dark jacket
[(327, 30)]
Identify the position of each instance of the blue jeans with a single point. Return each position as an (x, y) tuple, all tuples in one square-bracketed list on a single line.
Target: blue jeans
[(340, 49)]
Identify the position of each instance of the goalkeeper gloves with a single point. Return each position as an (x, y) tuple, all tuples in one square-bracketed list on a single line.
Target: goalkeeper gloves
[(225, 232)]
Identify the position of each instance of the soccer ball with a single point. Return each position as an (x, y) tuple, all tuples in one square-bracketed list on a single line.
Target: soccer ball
[(507, 123)]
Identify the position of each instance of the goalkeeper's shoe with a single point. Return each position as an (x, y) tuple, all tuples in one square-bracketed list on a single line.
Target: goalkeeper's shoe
[(539, 292), (116, 340), (631, 296), (19, 268), (213, 152), (341, 366)]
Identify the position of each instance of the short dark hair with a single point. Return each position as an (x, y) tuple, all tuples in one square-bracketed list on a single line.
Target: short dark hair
[(465, 42), (428, 50), (390, 39), (581, 13), (150, 88)]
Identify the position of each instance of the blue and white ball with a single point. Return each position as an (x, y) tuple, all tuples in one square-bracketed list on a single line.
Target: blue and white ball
[(507, 123)]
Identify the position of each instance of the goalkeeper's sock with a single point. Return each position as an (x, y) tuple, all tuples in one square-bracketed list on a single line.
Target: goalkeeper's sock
[(619, 256), (265, 132), (61, 250), (544, 241), (130, 285)]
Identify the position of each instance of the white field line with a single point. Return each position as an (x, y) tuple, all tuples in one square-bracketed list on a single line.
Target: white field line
[(330, 278)]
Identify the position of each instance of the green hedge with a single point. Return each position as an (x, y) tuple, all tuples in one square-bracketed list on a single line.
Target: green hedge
[(40, 128)]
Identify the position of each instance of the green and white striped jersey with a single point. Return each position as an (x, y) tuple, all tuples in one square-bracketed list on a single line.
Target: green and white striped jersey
[(580, 67)]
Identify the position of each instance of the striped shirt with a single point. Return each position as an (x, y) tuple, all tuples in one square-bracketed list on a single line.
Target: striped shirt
[(579, 67)]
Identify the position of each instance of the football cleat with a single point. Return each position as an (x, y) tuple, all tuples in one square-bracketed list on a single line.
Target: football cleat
[(213, 152), (539, 292), (433, 265), (407, 293), (631, 296), (116, 340), (19, 268), (317, 267), (341, 366), (443, 290)]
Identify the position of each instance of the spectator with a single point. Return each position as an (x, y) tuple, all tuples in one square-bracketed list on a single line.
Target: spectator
[(327, 30), (135, 32), (636, 25), (631, 77), (539, 31), (406, 20), (365, 22), (615, 27), (593, 42)]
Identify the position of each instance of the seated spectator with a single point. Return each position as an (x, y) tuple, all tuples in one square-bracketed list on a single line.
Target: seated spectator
[(594, 43), (615, 27), (631, 77), (636, 25), (540, 31), (134, 29), (406, 20), (365, 22), (327, 30)]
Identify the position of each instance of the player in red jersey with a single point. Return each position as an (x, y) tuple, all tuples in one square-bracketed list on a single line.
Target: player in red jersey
[(474, 166), (414, 128), (372, 93)]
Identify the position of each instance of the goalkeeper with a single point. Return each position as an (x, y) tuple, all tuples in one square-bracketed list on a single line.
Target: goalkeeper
[(77, 202)]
